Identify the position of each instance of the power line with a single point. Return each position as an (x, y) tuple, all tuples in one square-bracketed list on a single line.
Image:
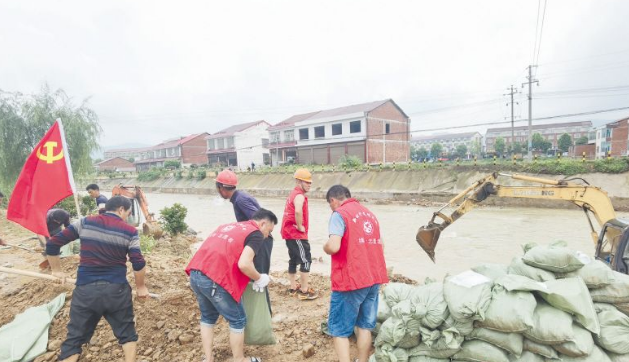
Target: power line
[(539, 5), (541, 32)]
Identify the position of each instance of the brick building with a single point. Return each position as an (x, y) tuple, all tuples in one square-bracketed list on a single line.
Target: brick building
[(239, 145), (550, 132), (612, 137), (188, 151), (126, 153), (450, 142), (374, 132), (118, 164)]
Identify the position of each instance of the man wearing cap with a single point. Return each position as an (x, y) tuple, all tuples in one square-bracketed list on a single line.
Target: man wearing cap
[(358, 269), (295, 232)]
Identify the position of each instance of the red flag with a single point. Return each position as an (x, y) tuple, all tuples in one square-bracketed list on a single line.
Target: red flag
[(46, 179)]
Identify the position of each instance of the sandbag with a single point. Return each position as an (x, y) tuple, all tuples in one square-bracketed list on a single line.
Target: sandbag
[(514, 282), (388, 353), (597, 355), (448, 339), (595, 274), (384, 312), (550, 326), (572, 296), (424, 350), (491, 271), (391, 332), (464, 327), (479, 351), (427, 359), (554, 259), (258, 330), (599, 307), (396, 292), (509, 311), (510, 342), (527, 357), (539, 349), (468, 295), (518, 267), (618, 357), (617, 292), (581, 346), (614, 336), (431, 308), (623, 307), (405, 311)]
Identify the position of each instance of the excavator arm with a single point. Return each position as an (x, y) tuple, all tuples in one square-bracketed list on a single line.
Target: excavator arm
[(589, 198), (151, 226)]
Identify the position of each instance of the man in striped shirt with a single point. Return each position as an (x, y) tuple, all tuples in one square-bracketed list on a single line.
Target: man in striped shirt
[(102, 289)]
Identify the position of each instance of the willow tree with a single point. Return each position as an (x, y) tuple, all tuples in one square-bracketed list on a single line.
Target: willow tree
[(24, 119)]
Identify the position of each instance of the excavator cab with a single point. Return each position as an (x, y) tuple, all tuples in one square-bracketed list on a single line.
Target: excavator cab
[(612, 247)]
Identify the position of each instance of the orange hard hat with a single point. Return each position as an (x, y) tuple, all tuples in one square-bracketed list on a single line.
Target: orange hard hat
[(303, 175), (227, 178)]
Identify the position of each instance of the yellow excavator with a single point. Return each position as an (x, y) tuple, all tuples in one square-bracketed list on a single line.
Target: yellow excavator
[(139, 204), (611, 242)]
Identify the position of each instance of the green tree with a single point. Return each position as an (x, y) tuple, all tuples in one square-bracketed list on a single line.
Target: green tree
[(24, 119), (172, 164), (537, 141), (515, 147), (583, 140), (435, 150), (461, 151), (564, 142), (131, 159), (499, 146), (173, 218), (419, 153), (476, 148)]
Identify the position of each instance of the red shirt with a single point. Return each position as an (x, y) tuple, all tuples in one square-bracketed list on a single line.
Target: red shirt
[(289, 231)]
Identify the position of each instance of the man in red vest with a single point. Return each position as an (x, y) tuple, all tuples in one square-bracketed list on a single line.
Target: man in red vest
[(358, 269), (219, 273), (295, 232)]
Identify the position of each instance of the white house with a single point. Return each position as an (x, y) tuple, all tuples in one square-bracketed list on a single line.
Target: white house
[(240, 145)]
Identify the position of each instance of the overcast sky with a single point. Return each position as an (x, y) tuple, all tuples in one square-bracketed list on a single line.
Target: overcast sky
[(155, 70)]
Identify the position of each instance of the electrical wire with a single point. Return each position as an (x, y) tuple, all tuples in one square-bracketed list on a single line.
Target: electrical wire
[(541, 32)]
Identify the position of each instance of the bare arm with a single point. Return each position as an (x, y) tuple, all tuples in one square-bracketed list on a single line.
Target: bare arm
[(245, 263), (141, 289), (299, 212), (55, 266), (333, 245)]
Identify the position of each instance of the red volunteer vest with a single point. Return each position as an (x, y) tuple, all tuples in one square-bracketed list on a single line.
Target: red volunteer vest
[(359, 263), (289, 231), (218, 257)]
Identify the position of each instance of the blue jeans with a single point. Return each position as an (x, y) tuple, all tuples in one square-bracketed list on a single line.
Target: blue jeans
[(214, 300), (354, 308)]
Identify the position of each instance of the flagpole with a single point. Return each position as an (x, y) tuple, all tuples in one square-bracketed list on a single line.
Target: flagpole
[(69, 167)]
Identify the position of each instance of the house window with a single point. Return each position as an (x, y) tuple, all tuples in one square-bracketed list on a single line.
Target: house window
[(289, 136), (230, 142), (387, 128), (303, 134), (210, 144), (337, 129), (319, 132), (220, 143), (275, 137), (354, 127), (265, 142)]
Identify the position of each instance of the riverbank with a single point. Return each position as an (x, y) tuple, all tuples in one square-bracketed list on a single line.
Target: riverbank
[(421, 187)]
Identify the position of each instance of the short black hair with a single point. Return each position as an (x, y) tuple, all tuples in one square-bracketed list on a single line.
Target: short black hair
[(116, 202), (264, 214), (92, 187), (338, 192), (226, 187)]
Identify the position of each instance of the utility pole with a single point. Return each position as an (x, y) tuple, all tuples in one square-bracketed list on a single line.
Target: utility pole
[(512, 91), (530, 96)]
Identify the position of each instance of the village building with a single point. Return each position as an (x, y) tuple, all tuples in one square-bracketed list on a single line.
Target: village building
[(117, 164), (550, 132), (188, 151), (239, 146), (130, 154), (449, 142)]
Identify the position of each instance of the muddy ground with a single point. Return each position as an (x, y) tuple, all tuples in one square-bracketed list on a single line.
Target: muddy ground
[(168, 327)]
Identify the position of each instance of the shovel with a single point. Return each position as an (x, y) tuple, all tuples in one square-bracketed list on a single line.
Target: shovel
[(14, 243), (49, 277)]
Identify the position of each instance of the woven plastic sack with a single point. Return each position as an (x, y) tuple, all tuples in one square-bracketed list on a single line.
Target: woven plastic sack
[(615, 293), (424, 350), (491, 271), (550, 325), (581, 346), (391, 332), (614, 331), (618, 357), (510, 342), (518, 267), (514, 282), (431, 308), (447, 339), (554, 259), (540, 349), (597, 355), (384, 312), (595, 274), (572, 296), (623, 307), (396, 292), (479, 351), (258, 330), (509, 312), (464, 327), (388, 353), (405, 311), (468, 295), (527, 357), (427, 359)]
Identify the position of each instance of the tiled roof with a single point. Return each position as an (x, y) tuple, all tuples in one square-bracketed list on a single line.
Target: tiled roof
[(292, 120), (229, 131), (178, 141)]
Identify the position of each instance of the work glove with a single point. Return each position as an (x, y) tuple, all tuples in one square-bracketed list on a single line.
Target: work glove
[(261, 283)]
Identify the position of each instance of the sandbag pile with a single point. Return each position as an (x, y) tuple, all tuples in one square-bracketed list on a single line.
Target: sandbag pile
[(551, 304)]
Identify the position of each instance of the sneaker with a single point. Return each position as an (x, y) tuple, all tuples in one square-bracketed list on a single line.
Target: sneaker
[(293, 292), (309, 295)]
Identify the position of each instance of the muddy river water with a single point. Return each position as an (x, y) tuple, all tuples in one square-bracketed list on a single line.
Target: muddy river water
[(485, 235)]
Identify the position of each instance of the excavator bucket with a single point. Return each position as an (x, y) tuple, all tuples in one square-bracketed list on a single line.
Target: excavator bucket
[(153, 229), (427, 238)]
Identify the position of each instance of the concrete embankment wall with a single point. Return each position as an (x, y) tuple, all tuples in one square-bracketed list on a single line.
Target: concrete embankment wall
[(415, 186)]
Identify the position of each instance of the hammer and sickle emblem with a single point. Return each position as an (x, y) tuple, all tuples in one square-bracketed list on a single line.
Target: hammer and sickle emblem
[(49, 156)]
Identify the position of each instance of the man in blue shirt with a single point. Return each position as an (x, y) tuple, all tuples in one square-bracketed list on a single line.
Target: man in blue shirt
[(94, 191)]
